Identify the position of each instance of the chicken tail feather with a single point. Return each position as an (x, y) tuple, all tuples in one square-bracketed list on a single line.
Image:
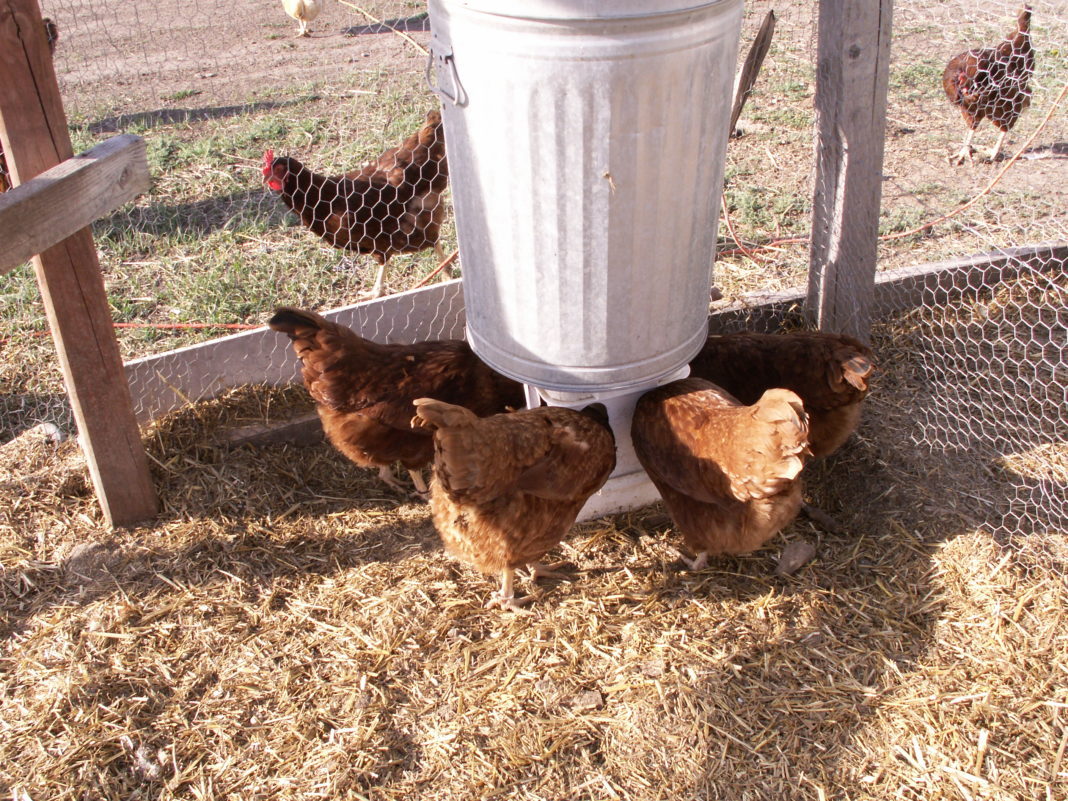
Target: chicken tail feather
[(784, 412), (856, 372), (438, 414), (290, 321)]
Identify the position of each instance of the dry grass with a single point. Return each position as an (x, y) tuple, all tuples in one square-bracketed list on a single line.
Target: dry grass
[(287, 629)]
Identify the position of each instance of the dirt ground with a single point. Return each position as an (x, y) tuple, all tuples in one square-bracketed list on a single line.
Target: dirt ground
[(124, 60)]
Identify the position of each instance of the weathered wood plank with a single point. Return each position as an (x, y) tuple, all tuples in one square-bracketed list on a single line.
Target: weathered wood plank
[(33, 128), (162, 383), (70, 196), (852, 71), (754, 59)]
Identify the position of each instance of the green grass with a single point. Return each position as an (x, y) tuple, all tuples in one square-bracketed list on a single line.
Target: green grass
[(208, 243)]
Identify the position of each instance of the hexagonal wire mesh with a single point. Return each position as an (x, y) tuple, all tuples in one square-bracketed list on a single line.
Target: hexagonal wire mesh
[(210, 245)]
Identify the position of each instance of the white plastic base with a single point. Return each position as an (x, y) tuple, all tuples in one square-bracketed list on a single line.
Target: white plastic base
[(628, 487), (619, 494)]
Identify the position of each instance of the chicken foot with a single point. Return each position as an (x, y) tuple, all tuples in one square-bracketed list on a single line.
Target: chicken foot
[(996, 151), (538, 570), (699, 561), (822, 519), (385, 472), (505, 598), (965, 152)]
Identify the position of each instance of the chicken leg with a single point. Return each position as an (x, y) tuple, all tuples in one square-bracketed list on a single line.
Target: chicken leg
[(385, 472), (965, 151), (420, 484), (699, 561), (376, 289), (505, 598), (539, 571), (997, 147)]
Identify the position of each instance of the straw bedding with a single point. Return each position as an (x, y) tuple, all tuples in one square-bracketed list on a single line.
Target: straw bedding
[(288, 629)]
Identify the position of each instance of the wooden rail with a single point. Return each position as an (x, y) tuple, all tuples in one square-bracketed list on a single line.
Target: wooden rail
[(33, 130), (69, 197)]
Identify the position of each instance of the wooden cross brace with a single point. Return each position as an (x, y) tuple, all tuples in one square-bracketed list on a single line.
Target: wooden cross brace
[(47, 217)]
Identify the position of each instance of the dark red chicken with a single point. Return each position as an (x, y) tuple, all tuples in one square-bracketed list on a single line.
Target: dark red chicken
[(364, 391), (392, 205), (992, 83)]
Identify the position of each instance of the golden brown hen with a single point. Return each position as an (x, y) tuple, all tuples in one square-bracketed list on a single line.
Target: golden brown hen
[(728, 473), (992, 82), (392, 205), (507, 488), (829, 371), (364, 391)]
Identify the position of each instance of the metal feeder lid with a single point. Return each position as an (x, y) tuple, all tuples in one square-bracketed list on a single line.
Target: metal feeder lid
[(576, 10)]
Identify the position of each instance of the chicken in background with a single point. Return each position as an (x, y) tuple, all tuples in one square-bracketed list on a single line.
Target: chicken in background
[(992, 82), (363, 391), (52, 36), (392, 205), (507, 488), (830, 373), (304, 12), (729, 473)]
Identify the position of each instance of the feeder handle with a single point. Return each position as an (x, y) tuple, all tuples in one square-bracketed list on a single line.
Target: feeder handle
[(445, 60)]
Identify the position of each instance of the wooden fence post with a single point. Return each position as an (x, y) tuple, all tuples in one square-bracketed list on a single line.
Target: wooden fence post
[(851, 82), (33, 130)]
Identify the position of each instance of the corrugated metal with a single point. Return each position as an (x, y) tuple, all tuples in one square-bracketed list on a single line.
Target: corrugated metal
[(586, 161)]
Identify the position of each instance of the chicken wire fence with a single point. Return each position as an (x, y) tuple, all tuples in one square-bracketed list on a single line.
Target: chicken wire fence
[(212, 89)]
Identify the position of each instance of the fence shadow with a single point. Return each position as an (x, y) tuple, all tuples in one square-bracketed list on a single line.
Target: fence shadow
[(418, 22), (1054, 150), (197, 217), (170, 116)]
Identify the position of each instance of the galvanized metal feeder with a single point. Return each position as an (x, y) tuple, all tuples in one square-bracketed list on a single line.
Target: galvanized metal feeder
[(586, 142)]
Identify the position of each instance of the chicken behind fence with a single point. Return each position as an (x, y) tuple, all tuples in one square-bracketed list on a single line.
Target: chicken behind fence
[(992, 82), (392, 205)]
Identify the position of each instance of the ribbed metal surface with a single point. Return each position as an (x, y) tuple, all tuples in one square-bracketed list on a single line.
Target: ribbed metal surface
[(586, 163)]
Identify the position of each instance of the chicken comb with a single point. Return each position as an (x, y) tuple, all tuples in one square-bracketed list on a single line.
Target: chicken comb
[(268, 162)]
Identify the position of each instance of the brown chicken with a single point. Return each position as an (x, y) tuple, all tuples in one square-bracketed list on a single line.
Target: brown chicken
[(364, 391), (507, 488), (992, 82), (392, 205), (52, 36), (728, 472), (829, 371)]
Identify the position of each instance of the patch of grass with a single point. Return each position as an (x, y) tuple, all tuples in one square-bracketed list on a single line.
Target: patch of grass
[(181, 94), (916, 79)]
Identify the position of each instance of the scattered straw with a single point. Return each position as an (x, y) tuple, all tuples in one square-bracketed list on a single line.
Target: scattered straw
[(289, 629)]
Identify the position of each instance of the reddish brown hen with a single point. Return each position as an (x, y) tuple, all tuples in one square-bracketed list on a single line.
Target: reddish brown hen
[(392, 205), (992, 82), (507, 488), (364, 391), (728, 472), (829, 371)]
